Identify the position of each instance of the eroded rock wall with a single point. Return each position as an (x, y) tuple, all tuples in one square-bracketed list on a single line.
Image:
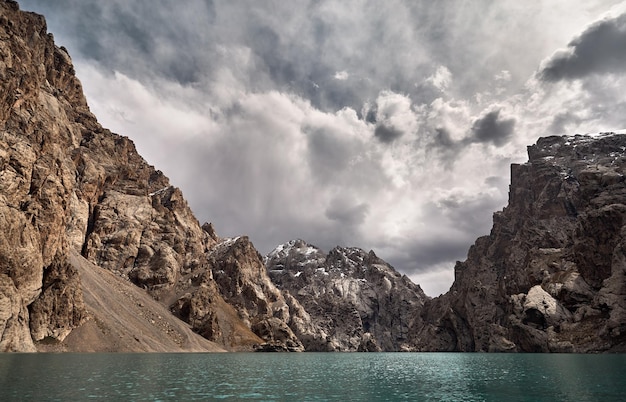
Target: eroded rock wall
[(41, 113), (68, 184), (551, 276)]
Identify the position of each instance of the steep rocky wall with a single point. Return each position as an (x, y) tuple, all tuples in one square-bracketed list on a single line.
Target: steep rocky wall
[(41, 108), (551, 276), (67, 183)]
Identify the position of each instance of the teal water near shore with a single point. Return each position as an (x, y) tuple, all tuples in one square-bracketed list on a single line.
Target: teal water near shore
[(313, 376)]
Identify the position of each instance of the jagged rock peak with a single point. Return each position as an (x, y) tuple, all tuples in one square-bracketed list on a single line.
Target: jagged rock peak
[(297, 254), (350, 299), (579, 146), (293, 255), (351, 259), (242, 279)]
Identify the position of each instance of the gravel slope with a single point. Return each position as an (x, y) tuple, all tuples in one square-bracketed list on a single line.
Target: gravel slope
[(124, 318)]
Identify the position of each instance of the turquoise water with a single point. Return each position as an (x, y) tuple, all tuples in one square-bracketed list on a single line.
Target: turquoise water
[(313, 376)]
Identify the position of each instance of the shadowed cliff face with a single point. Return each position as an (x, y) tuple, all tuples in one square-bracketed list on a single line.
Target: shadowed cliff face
[(551, 276), (236, 272)]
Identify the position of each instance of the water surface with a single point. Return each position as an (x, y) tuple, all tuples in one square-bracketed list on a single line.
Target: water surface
[(313, 376)]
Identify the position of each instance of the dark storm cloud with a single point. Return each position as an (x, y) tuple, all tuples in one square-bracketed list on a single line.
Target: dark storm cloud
[(370, 114), (445, 147), (433, 252), (563, 120), (134, 37), (492, 128), (298, 48), (443, 138), (599, 49), (472, 215), (329, 153), (448, 148), (387, 134), (497, 181), (347, 213)]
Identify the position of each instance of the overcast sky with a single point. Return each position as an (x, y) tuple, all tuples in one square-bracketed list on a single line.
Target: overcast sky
[(386, 125)]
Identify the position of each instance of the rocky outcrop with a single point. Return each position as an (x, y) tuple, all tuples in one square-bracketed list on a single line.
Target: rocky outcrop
[(241, 277), (551, 276), (348, 300), (124, 318), (238, 288)]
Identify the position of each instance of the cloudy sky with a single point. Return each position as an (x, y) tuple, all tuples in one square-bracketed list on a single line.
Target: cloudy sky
[(387, 125)]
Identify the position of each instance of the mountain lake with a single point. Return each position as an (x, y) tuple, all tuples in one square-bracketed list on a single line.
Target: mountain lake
[(313, 377)]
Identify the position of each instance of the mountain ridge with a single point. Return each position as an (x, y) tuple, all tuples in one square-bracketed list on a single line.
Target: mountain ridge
[(69, 185)]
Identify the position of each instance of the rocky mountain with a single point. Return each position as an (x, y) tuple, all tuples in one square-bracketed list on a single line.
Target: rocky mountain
[(551, 276), (73, 193), (353, 300)]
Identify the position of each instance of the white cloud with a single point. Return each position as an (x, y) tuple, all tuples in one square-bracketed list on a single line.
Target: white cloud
[(441, 79), (156, 123), (504, 76), (288, 169), (342, 75), (395, 117), (436, 281)]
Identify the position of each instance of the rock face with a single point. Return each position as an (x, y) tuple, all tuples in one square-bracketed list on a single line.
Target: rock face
[(43, 116), (124, 318), (240, 274), (236, 273), (348, 300), (551, 276), (68, 185)]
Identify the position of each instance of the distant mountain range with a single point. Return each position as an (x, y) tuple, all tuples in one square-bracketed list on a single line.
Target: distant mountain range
[(98, 252)]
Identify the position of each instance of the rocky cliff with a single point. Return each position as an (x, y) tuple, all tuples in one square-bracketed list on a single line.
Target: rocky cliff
[(237, 274), (551, 276), (42, 117), (350, 299), (70, 187)]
